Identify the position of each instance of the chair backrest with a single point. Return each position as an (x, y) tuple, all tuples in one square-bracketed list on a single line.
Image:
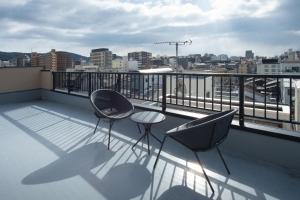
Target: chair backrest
[(204, 133), (101, 99), (222, 125), (107, 99)]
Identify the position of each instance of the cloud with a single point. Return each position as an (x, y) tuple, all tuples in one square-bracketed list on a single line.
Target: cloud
[(216, 26)]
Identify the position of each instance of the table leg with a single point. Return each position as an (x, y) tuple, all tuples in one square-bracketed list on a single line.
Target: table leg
[(146, 134), (138, 141), (155, 137)]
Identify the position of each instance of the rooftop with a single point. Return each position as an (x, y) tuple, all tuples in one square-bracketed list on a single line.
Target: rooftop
[(48, 152)]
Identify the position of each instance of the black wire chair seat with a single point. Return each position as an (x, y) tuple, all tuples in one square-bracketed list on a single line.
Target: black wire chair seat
[(113, 114), (111, 105)]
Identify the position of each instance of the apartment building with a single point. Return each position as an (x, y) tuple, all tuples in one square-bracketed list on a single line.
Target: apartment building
[(63, 60), (53, 60), (249, 54), (101, 57), (47, 61), (247, 67), (268, 66), (273, 66), (143, 58)]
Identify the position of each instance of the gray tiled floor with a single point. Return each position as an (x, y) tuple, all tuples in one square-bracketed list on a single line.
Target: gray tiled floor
[(47, 152)]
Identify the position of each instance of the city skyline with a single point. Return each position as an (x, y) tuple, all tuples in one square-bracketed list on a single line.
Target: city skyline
[(266, 27)]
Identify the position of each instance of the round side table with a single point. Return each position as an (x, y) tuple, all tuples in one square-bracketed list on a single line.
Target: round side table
[(147, 119)]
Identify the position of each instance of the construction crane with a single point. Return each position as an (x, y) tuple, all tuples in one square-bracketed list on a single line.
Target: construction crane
[(176, 43)]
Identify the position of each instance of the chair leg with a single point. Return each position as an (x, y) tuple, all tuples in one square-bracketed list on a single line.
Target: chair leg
[(206, 177), (219, 152), (139, 128), (96, 126), (111, 122), (162, 143)]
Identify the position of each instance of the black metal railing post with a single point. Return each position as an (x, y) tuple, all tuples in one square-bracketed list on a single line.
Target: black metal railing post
[(164, 93), (119, 83), (53, 80), (68, 82), (89, 83), (241, 102)]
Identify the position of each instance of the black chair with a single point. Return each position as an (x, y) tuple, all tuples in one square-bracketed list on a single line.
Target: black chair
[(201, 135), (111, 105)]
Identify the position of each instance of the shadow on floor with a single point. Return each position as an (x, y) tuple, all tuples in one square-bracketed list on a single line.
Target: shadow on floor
[(125, 181), (114, 185), (180, 192), (71, 164)]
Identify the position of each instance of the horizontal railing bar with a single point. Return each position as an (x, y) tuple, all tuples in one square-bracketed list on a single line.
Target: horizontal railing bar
[(294, 76)]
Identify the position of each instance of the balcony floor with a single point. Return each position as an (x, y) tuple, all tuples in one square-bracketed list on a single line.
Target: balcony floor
[(47, 152)]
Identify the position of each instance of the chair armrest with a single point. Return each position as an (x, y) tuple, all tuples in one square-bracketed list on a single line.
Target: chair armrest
[(196, 137), (196, 124)]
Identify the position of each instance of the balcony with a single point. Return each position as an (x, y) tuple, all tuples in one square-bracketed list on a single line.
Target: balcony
[(47, 151)]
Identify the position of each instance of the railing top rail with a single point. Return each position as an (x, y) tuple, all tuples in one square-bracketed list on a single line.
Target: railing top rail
[(294, 76)]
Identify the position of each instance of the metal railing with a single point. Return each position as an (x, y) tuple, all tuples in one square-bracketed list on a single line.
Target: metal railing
[(266, 97)]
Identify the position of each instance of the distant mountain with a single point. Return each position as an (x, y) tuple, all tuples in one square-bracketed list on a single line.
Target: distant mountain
[(11, 55), (78, 57)]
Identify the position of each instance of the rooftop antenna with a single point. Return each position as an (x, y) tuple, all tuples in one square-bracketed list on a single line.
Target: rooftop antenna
[(176, 43)]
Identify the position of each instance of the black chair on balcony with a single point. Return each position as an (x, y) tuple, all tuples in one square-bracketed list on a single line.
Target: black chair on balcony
[(202, 135), (111, 105)]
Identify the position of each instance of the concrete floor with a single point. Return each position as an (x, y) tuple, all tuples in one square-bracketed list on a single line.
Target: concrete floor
[(47, 151)]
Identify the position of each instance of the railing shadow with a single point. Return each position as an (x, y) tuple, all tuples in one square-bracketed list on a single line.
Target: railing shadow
[(71, 164), (81, 161), (241, 182)]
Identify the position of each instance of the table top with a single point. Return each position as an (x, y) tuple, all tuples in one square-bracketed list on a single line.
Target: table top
[(148, 117)]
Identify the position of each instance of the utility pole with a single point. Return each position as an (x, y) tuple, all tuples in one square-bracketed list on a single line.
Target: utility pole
[(176, 43)]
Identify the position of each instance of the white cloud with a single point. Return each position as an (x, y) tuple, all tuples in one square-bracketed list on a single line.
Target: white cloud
[(295, 32), (215, 25), (13, 27), (11, 3), (241, 8)]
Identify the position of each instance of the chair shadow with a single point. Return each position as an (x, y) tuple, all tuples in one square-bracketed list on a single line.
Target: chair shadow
[(125, 181), (121, 182), (180, 192), (71, 164)]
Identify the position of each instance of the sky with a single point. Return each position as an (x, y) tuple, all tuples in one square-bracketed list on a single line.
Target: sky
[(268, 27)]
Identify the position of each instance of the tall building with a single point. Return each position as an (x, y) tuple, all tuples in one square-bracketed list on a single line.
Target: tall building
[(143, 58), (47, 61), (249, 54), (51, 60), (222, 57), (63, 60), (101, 57), (247, 67), (37, 60), (118, 64)]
